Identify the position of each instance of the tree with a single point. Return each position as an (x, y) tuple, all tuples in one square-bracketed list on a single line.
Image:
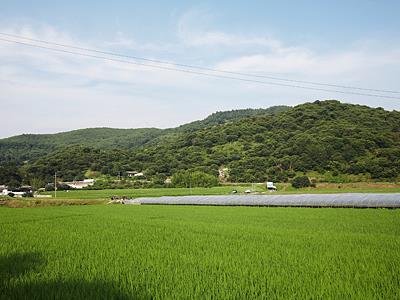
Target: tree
[(37, 183), (301, 182), (193, 179)]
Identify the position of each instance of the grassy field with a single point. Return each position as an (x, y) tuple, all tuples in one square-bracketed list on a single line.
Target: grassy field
[(179, 252), (106, 194), (39, 202), (224, 190)]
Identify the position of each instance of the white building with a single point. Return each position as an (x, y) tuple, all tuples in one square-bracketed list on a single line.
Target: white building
[(134, 174), (271, 186), (131, 173), (6, 192)]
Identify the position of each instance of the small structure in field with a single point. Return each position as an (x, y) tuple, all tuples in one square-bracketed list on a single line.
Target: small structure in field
[(271, 186)]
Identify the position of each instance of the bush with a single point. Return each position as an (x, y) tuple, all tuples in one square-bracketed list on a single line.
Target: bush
[(301, 182), (194, 179), (60, 187)]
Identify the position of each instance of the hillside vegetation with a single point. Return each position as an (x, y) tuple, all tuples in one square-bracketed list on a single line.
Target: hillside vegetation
[(320, 136), (254, 146), (33, 146), (29, 147)]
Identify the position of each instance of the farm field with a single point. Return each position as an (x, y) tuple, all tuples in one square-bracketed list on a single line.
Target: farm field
[(153, 192), (227, 189), (181, 252)]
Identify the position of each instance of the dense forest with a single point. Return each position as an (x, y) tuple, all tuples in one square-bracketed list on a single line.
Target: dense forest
[(29, 147), (252, 145)]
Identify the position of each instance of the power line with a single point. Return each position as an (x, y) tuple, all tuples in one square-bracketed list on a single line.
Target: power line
[(199, 73), (199, 67)]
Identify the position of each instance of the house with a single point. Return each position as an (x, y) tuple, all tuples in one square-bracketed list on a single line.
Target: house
[(16, 194), (271, 186), (131, 173), (134, 174)]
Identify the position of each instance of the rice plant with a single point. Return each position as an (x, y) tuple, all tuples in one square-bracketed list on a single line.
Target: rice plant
[(180, 252)]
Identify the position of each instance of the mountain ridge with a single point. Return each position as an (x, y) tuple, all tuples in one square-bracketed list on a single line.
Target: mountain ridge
[(326, 137), (27, 147)]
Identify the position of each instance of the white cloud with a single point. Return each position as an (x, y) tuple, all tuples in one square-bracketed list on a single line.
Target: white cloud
[(70, 91), (359, 66), (193, 31)]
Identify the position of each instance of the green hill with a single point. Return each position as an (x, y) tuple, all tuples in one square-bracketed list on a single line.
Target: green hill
[(29, 147), (221, 117), (321, 136), (324, 136)]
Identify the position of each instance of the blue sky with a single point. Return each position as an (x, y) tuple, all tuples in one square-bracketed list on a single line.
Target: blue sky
[(339, 42)]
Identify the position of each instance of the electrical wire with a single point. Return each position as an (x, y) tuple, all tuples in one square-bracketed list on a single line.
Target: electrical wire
[(198, 73), (201, 68)]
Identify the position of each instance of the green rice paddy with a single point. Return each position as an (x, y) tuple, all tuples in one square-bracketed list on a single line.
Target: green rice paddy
[(181, 252)]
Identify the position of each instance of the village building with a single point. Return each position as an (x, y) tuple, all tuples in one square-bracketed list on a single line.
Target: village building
[(18, 193), (131, 173)]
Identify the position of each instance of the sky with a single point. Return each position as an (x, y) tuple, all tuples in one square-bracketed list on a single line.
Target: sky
[(351, 43)]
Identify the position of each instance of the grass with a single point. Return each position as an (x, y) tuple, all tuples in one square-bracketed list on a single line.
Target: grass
[(39, 202), (155, 192), (227, 189), (180, 252)]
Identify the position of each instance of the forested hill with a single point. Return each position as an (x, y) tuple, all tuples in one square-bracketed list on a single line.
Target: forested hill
[(324, 136), (29, 147), (221, 117), (321, 136)]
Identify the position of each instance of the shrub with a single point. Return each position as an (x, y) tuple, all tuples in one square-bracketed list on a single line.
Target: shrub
[(194, 179), (301, 182)]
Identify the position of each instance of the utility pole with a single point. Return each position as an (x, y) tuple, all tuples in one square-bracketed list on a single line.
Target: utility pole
[(55, 185), (190, 183)]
